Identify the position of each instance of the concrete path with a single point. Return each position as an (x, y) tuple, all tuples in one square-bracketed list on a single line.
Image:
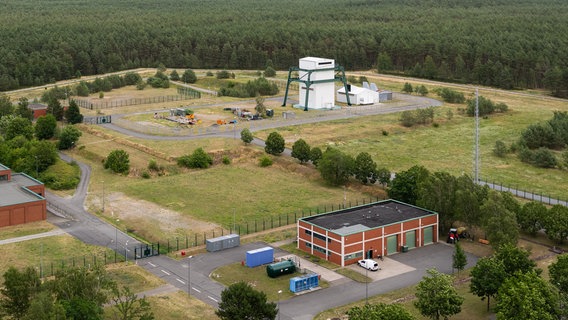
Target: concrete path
[(51, 233)]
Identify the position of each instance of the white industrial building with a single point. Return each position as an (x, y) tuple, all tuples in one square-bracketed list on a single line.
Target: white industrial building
[(320, 73), (357, 95)]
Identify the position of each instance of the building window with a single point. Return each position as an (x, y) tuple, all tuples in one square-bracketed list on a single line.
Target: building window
[(321, 237), (309, 245), (351, 256), (308, 232), (320, 249)]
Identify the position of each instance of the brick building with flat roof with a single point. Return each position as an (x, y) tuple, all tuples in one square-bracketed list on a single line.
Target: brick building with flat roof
[(22, 198), (367, 231)]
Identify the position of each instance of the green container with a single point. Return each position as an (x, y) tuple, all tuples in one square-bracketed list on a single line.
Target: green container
[(404, 249), (279, 268)]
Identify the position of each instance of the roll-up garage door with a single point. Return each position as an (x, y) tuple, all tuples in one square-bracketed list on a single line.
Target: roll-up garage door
[(411, 239), (391, 244), (428, 231)]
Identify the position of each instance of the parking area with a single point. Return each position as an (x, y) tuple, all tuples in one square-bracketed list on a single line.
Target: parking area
[(389, 268)]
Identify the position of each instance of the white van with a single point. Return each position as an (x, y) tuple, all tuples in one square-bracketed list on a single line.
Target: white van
[(369, 264)]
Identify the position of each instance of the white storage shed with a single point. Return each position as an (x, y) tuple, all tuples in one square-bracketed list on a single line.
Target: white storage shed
[(358, 95)]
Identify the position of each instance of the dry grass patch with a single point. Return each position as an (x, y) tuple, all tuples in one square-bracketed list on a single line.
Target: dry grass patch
[(133, 276), (25, 229), (179, 306)]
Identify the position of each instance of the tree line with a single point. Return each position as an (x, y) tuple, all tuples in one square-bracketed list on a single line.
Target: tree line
[(503, 43)]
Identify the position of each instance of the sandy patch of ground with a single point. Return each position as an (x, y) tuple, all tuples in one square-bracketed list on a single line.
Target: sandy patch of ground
[(133, 211)]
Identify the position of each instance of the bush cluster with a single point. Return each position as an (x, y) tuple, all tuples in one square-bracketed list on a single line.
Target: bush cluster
[(198, 159), (410, 118), (450, 96), (252, 88), (486, 107)]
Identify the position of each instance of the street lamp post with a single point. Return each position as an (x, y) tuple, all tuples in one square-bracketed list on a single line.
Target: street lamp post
[(189, 275), (126, 252), (366, 286), (103, 196), (279, 292)]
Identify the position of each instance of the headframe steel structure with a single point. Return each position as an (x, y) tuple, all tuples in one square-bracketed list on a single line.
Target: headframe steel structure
[(339, 76)]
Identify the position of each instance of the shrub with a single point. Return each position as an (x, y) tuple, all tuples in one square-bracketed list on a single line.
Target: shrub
[(486, 107), (274, 143), (223, 74), (209, 74), (117, 161), (269, 72), (153, 165), (407, 118), (226, 160), (265, 161), (200, 159), (315, 155), (246, 136), (385, 132), (451, 96), (435, 124), (407, 88), (541, 157), (145, 174), (500, 149)]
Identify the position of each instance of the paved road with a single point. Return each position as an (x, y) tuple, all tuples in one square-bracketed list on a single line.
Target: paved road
[(72, 218)]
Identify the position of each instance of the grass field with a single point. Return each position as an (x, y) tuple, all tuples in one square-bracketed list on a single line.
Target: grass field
[(448, 147), (50, 252), (258, 279)]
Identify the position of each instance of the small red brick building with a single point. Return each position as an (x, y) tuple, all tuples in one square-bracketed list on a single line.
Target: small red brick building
[(38, 109), (376, 229), (22, 198)]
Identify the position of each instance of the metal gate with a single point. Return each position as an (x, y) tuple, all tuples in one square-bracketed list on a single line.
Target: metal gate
[(392, 244), (146, 250), (411, 239), (428, 232)]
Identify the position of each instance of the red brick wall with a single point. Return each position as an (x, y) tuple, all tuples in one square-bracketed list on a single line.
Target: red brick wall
[(23, 213), (352, 238), (392, 229), (409, 225)]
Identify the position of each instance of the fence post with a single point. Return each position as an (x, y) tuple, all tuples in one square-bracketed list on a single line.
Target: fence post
[(195, 242), (177, 244)]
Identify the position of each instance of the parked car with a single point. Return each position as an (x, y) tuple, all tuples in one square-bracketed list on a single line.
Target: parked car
[(369, 264)]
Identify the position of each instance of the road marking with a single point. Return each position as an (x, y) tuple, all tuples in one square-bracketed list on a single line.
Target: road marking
[(153, 265), (195, 289), (165, 272), (210, 297), (180, 281)]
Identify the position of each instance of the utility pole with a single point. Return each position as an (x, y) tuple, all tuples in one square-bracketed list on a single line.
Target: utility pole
[(476, 152), (189, 275), (103, 196)]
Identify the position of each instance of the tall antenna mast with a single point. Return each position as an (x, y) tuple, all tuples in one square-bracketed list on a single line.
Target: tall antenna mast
[(476, 168)]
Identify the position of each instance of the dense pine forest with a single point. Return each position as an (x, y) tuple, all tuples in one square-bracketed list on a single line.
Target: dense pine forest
[(502, 43)]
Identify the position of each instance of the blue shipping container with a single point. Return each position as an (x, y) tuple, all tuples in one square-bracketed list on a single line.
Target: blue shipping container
[(259, 257), (307, 282)]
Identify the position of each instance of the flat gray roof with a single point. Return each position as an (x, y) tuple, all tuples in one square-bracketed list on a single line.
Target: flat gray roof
[(12, 193), (366, 217)]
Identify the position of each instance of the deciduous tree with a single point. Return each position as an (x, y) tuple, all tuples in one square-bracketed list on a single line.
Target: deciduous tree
[(18, 291), (68, 137), (365, 168), (335, 166), (117, 161), (240, 301), (487, 277), (526, 296), (45, 127), (404, 186), (437, 297)]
